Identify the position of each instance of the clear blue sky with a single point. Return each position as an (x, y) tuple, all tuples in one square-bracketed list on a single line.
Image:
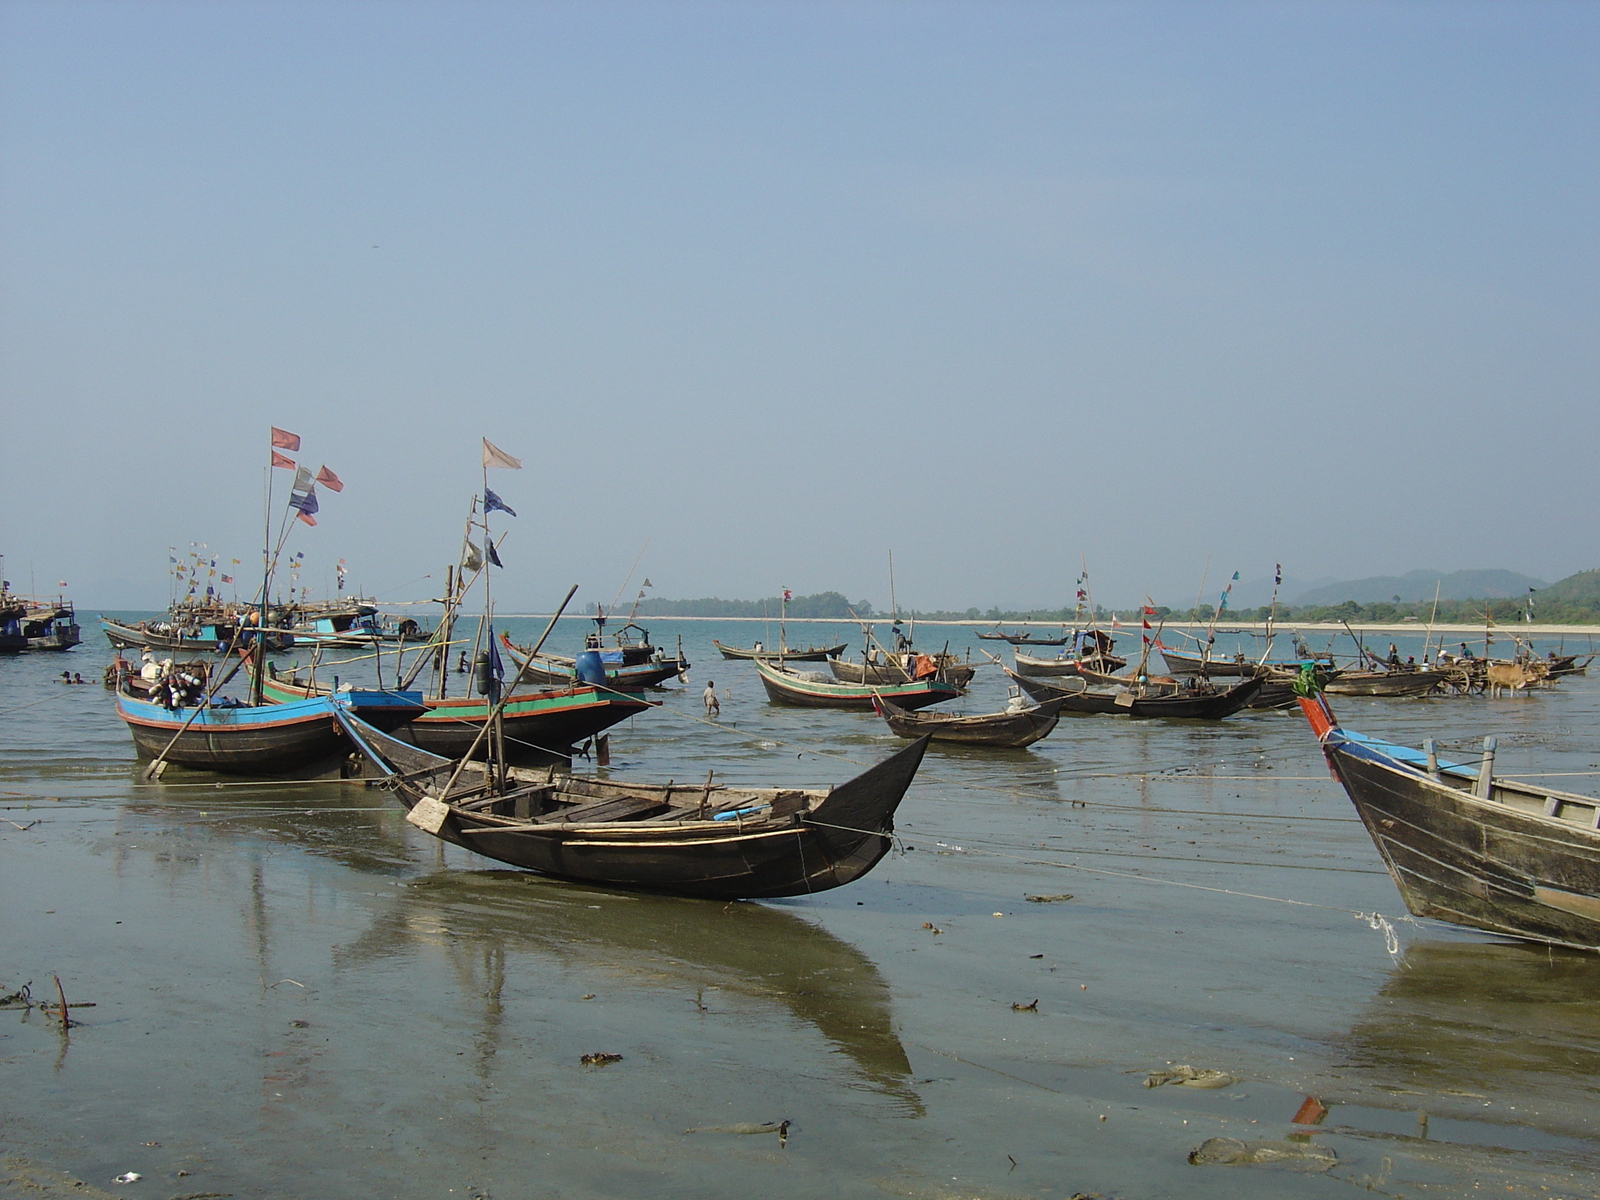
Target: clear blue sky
[(779, 287)]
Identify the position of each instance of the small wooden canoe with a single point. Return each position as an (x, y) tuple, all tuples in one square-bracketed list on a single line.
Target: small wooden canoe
[(1386, 683), (809, 654), (1013, 730), (1167, 702), (715, 842), (558, 671), (894, 668), (1066, 664), (807, 689)]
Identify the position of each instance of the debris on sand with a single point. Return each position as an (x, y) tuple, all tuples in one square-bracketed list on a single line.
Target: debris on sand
[(599, 1060), (1048, 899), (1236, 1152), (1186, 1076), (781, 1128)]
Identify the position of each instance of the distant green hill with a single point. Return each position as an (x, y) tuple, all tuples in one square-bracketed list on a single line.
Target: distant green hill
[(1415, 587)]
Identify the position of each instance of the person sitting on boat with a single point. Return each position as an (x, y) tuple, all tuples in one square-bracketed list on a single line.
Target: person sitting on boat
[(1465, 653), (149, 669), (758, 647)]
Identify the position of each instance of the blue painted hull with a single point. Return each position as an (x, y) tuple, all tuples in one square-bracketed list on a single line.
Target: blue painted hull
[(272, 739)]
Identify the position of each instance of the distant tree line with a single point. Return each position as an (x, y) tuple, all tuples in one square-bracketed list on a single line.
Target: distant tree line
[(1574, 600), (817, 607)]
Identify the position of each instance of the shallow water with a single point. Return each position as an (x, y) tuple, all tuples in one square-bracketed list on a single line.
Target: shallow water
[(298, 994)]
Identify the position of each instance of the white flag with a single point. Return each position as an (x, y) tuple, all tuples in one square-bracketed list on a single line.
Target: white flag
[(493, 456)]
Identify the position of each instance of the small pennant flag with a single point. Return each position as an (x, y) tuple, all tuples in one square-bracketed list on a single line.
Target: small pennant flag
[(227, 579), (284, 440), (303, 479), (282, 460), (471, 560), (306, 502), (787, 594), (329, 480), (647, 583), (302, 515), (494, 556), (493, 456), (492, 502)]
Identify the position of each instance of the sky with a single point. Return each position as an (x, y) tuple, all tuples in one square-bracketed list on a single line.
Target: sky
[(760, 293)]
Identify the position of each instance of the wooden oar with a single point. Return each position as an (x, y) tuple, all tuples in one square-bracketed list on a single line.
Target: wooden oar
[(160, 763)]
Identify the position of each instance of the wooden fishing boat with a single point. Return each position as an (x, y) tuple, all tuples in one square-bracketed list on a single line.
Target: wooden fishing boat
[(1568, 664), (889, 666), (812, 689), (36, 625), (354, 626), (199, 638), (1217, 668), (712, 841), (1162, 701), (1013, 729), (540, 726), (1023, 639), (1386, 683), (1469, 847), (809, 654), (1095, 662), (301, 736), (387, 708), (648, 668)]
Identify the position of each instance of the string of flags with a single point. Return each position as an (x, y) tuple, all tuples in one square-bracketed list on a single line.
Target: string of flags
[(473, 559), (303, 492)]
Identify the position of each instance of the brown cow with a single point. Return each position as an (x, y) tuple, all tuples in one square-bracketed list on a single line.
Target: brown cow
[(1515, 676)]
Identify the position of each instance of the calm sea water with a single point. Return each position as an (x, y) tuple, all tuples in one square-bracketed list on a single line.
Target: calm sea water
[(297, 994)]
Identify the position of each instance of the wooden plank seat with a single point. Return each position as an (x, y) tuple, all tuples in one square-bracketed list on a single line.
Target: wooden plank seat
[(620, 808)]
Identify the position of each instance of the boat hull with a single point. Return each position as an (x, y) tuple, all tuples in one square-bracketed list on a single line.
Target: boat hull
[(1100, 664), (131, 637), (811, 654), (1477, 862), (1213, 706), (784, 687), (957, 673), (833, 843), (272, 739), (1391, 684), (540, 727), (1007, 730)]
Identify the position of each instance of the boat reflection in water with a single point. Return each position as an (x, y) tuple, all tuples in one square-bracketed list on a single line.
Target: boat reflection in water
[(1464, 1017), (482, 919)]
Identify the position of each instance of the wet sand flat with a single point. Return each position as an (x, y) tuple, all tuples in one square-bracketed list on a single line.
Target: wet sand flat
[(297, 994)]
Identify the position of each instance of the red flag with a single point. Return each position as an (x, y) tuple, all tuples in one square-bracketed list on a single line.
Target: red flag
[(227, 579), (279, 460), (329, 480), (284, 440), (306, 517), (787, 594)]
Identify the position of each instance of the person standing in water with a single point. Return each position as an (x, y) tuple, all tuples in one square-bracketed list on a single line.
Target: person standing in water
[(713, 706)]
